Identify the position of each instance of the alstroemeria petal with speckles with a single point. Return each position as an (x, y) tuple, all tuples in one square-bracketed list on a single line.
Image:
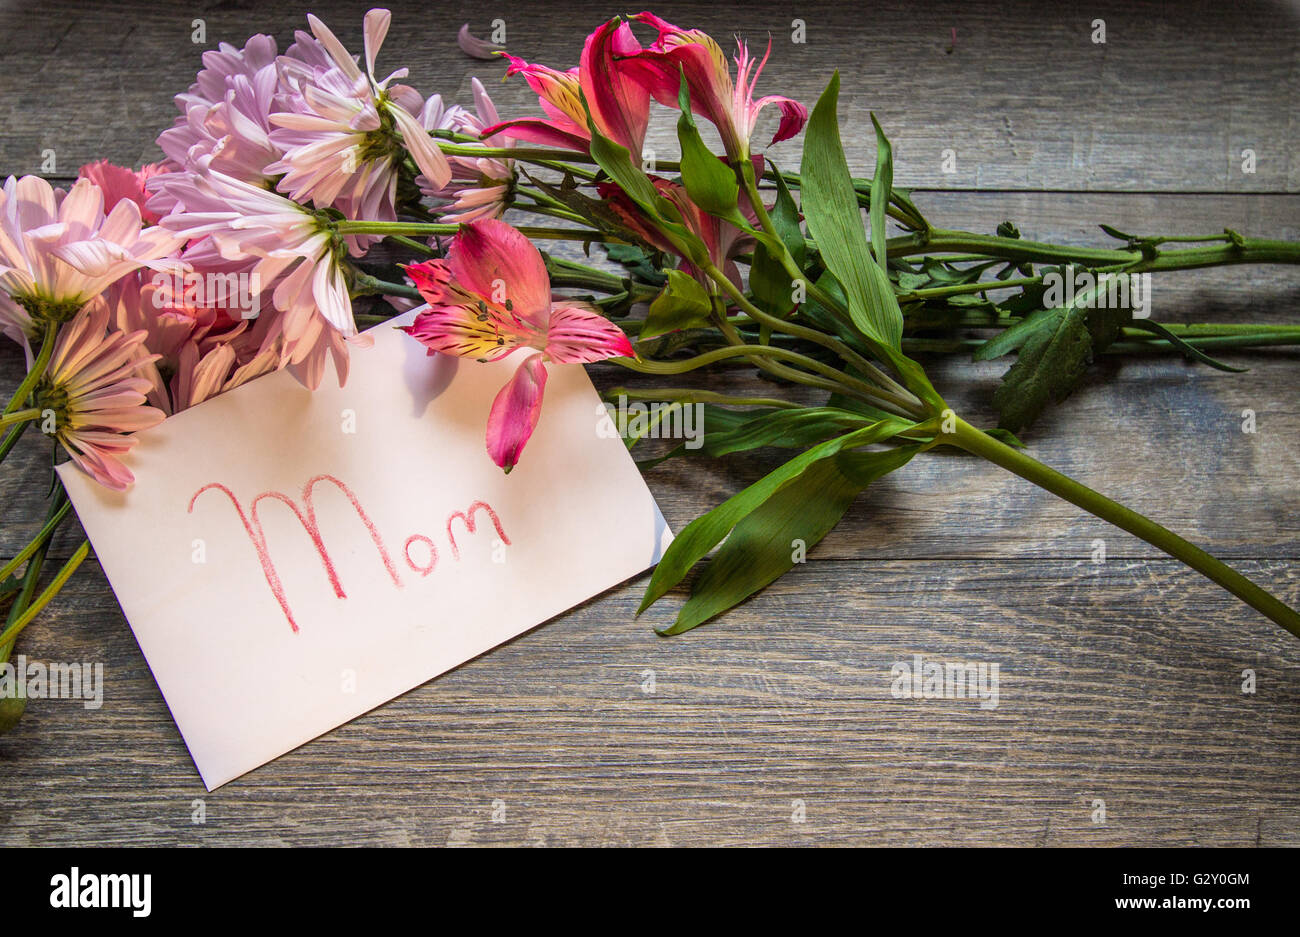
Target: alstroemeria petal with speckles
[(579, 334)]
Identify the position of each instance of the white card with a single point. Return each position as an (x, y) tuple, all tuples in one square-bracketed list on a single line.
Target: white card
[(255, 658)]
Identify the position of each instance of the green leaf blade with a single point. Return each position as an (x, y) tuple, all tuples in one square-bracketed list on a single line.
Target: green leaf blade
[(762, 546), (834, 220), (701, 535)]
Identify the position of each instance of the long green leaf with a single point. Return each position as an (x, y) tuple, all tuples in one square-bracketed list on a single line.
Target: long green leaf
[(786, 429), (704, 533), (830, 207), (882, 184), (763, 545)]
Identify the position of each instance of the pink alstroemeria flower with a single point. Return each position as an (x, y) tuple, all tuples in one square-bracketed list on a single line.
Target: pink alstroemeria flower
[(492, 297), (620, 104), (729, 105)]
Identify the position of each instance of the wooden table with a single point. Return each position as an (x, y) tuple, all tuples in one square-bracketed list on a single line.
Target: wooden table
[(1120, 682)]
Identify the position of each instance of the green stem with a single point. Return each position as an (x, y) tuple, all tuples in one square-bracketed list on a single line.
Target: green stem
[(1140, 343), (688, 395), (32, 573), (1205, 343), (525, 153), (757, 355), (981, 444), (41, 537), (905, 401), (13, 629), (417, 246), (1135, 260), (15, 433), (792, 270), (984, 286), (20, 416), (550, 211), (364, 285), (37, 370), (422, 229)]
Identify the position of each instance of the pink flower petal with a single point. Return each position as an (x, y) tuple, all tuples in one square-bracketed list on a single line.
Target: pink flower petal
[(376, 28), (793, 115), (424, 151), (492, 259), (542, 132), (336, 49), (515, 411), (579, 334), (476, 48), (620, 105)]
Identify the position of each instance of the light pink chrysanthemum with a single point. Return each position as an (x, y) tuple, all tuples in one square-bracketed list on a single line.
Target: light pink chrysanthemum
[(224, 122), (96, 394), (480, 186), (346, 132), (60, 250), (294, 255)]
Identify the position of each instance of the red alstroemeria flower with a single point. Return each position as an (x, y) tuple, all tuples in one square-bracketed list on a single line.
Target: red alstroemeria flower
[(730, 106), (491, 297), (619, 104), (722, 239)]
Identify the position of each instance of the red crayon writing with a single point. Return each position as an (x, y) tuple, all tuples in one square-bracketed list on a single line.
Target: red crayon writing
[(306, 516)]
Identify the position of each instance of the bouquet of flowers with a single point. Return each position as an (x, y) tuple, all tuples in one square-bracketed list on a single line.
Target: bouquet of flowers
[(302, 196)]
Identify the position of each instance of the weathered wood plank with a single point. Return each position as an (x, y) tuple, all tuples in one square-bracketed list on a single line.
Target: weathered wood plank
[(1120, 683), (1025, 100), (1159, 434)]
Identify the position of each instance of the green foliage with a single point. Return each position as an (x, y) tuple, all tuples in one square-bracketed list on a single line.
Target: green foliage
[(683, 304), (640, 263), (1055, 348), (769, 540), (701, 535), (830, 207), (881, 184), (769, 281)]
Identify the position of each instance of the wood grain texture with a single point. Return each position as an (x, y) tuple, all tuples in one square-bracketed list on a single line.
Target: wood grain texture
[(1026, 99), (1119, 681)]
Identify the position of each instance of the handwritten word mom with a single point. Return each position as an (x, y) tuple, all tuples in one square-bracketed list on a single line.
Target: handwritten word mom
[(307, 517)]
